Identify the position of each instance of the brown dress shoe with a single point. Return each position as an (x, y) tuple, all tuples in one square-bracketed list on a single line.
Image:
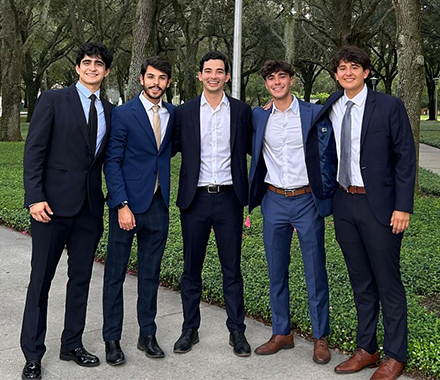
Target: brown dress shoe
[(359, 360), (321, 353), (275, 343), (390, 369)]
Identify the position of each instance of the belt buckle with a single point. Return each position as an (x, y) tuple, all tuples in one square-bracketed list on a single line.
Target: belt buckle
[(289, 192), (213, 189)]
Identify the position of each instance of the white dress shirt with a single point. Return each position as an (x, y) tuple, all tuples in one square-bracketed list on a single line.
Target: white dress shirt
[(357, 114), (283, 148), (215, 143), (163, 114)]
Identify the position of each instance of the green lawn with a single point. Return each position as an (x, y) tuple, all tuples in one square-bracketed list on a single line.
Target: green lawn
[(430, 132), (420, 266)]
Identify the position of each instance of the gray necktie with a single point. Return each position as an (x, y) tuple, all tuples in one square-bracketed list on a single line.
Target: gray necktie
[(345, 158), (157, 135)]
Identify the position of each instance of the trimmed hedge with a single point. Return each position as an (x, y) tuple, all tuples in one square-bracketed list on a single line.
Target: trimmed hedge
[(420, 266), (430, 133)]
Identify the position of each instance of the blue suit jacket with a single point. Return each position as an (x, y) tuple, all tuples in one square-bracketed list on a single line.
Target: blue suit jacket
[(387, 157), (132, 159), (258, 187)]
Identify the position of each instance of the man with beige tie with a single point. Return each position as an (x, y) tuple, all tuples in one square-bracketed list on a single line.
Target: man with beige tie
[(137, 171)]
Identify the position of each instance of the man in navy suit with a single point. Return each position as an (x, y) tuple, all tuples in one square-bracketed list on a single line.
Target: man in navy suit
[(279, 182), (63, 160), (212, 134), (376, 169), (137, 172)]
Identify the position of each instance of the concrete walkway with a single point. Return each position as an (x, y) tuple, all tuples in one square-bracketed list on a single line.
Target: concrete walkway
[(429, 158), (212, 358)]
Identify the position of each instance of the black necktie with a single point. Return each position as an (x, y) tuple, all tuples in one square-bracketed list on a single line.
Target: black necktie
[(93, 124)]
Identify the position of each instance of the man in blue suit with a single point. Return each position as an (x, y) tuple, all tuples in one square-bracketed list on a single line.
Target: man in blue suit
[(279, 182), (137, 172), (376, 167)]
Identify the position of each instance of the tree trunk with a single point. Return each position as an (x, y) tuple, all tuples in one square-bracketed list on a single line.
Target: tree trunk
[(144, 17), (410, 63), (11, 61)]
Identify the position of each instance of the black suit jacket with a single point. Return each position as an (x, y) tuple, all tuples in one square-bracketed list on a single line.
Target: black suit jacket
[(387, 157), (59, 164), (187, 140)]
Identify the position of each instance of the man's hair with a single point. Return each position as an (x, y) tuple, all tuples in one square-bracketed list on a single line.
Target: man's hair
[(273, 66), (351, 53), (214, 55), (159, 63), (94, 49)]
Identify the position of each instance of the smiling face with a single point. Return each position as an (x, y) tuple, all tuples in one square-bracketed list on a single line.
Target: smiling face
[(154, 83), (213, 76), (92, 72), (350, 76), (279, 84)]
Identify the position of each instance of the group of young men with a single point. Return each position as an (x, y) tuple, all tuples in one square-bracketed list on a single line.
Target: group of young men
[(354, 157)]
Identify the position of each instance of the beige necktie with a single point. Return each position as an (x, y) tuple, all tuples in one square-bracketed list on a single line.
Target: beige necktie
[(157, 135)]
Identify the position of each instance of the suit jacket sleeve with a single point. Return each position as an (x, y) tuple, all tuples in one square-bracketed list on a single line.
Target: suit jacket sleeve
[(114, 157), (405, 157), (36, 147)]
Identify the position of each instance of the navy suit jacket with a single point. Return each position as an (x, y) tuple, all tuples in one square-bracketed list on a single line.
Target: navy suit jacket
[(258, 170), (132, 158), (59, 165), (387, 156), (187, 141)]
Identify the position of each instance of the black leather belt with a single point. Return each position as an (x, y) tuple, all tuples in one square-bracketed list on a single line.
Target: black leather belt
[(215, 189), (290, 192)]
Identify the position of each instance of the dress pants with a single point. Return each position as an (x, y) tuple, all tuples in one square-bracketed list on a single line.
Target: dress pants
[(80, 234), (280, 216), (372, 255), (224, 213), (151, 231)]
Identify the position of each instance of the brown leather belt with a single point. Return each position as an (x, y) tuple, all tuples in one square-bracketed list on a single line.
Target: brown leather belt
[(288, 192), (354, 189)]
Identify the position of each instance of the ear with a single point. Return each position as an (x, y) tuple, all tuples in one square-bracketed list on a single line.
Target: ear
[(366, 73), (169, 83), (200, 76), (141, 79), (292, 79), (77, 69), (227, 77), (106, 73)]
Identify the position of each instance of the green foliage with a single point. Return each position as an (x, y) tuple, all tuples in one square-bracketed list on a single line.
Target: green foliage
[(429, 182), (321, 96), (420, 262), (430, 132)]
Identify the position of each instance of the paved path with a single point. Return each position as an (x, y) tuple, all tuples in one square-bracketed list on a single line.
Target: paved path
[(429, 158), (212, 358)]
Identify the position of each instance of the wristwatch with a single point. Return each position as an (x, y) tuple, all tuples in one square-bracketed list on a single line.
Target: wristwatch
[(122, 205)]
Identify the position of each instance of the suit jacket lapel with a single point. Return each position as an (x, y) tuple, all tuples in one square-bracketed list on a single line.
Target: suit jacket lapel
[(305, 113), (169, 125), (261, 129), (195, 118), (370, 103), (107, 113), (233, 120), (141, 115), (78, 111)]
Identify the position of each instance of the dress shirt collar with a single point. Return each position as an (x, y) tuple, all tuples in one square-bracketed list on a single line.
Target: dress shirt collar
[(294, 106), (359, 99), (85, 91), (147, 104), (224, 100)]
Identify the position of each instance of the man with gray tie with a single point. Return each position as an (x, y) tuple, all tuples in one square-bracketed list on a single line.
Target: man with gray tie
[(371, 134)]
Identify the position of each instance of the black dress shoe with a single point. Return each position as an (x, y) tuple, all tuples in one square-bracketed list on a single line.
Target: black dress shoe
[(31, 370), (149, 345), (81, 357), (240, 343), (113, 353), (186, 341)]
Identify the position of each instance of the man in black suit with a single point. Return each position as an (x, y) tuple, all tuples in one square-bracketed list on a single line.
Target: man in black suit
[(372, 203), (63, 160), (212, 134)]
